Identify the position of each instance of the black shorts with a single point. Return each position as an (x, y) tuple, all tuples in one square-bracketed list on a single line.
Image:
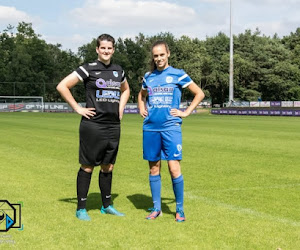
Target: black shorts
[(99, 143)]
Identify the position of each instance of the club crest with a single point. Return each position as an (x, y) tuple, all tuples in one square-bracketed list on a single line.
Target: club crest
[(169, 79)]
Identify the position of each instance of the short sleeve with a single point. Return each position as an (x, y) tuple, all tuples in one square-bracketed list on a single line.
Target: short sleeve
[(123, 77), (82, 72), (144, 84), (184, 79)]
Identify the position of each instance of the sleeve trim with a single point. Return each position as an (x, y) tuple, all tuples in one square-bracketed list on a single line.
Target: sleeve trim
[(84, 71), (187, 84), (80, 78), (182, 77)]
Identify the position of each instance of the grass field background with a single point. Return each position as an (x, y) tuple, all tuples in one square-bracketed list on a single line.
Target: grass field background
[(242, 185)]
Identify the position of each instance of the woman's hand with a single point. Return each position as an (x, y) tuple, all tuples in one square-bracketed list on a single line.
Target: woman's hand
[(143, 112), (86, 112), (179, 113)]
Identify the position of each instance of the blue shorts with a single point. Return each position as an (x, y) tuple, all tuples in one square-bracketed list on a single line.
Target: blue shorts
[(162, 145)]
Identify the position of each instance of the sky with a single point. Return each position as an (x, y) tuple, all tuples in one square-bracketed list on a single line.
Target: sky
[(73, 23)]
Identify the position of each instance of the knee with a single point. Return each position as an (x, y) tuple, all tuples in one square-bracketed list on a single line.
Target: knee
[(88, 169), (154, 171), (175, 174), (174, 169), (154, 167), (107, 168)]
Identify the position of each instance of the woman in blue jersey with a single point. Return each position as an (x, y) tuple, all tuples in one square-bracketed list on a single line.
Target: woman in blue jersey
[(159, 101)]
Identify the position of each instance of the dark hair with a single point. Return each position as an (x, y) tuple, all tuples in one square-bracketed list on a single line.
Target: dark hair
[(105, 37), (159, 42)]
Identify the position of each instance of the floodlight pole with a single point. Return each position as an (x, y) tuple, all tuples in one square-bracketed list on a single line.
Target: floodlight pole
[(231, 60)]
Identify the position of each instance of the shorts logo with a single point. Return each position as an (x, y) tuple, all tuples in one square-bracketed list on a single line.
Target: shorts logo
[(169, 79), (115, 73), (179, 148)]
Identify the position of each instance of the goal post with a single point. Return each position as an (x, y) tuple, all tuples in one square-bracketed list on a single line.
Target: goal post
[(21, 104)]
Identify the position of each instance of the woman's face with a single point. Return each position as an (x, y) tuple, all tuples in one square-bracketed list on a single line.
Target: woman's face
[(105, 51), (160, 56)]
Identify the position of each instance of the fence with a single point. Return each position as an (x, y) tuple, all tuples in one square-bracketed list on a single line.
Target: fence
[(46, 90), (263, 104)]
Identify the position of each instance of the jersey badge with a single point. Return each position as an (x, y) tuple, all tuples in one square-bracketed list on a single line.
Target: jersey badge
[(93, 64), (116, 74), (169, 79)]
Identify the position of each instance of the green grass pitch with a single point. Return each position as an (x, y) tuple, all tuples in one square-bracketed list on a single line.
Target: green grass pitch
[(242, 185)]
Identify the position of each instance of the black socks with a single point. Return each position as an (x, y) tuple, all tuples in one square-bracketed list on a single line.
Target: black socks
[(83, 184), (105, 180)]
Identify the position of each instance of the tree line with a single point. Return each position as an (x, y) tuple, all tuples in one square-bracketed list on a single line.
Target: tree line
[(264, 67)]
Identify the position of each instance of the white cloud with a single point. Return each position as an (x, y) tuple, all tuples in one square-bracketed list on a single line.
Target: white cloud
[(10, 15), (131, 15), (76, 26)]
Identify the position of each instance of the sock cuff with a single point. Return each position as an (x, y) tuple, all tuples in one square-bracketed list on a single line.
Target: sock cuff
[(82, 173), (178, 179), (154, 177), (105, 174)]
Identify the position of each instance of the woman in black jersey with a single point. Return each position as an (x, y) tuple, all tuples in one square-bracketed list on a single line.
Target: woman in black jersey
[(107, 92)]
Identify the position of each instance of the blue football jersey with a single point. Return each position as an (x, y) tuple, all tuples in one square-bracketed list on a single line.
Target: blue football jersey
[(164, 93)]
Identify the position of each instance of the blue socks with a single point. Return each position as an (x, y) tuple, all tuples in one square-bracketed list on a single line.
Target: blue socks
[(155, 186), (178, 192)]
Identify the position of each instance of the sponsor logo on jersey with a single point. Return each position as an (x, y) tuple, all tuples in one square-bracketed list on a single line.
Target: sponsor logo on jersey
[(98, 73), (108, 94), (102, 84), (169, 79), (116, 74), (150, 91), (162, 90)]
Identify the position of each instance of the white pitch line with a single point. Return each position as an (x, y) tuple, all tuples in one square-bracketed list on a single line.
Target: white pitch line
[(242, 210), (255, 188)]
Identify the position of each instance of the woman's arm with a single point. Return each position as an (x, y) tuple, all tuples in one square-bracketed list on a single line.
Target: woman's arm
[(142, 103), (125, 93), (64, 89), (198, 97)]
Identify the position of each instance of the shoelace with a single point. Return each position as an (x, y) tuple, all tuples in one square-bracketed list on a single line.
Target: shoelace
[(153, 209)]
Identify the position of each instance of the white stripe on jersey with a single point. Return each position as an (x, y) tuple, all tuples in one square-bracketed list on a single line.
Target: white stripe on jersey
[(124, 80), (80, 78), (143, 88), (84, 71), (182, 77), (187, 84)]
